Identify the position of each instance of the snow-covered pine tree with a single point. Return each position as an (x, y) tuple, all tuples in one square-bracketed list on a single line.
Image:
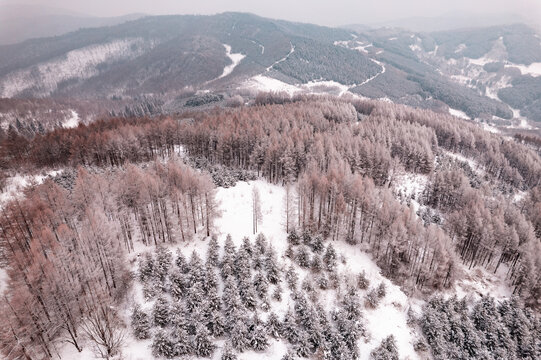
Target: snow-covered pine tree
[(302, 257), (258, 335), (164, 258), (386, 350), (228, 352), (292, 277), (260, 245), (181, 262), (163, 345), (271, 266), (183, 344), (212, 252), (317, 264), (140, 323), (261, 285), (161, 311), (330, 258), (239, 334), (202, 343), (146, 268), (362, 281), (273, 326), (277, 293), (216, 323), (290, 330)]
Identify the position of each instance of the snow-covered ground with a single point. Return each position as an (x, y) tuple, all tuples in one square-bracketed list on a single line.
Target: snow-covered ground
[(17, 183), (265, 83), (458, 113), (236, 58), (478, 281), (533, 69), (3, 280), (72, 122)]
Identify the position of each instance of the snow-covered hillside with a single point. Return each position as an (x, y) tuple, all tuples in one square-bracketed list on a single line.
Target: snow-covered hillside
[(81, 63)]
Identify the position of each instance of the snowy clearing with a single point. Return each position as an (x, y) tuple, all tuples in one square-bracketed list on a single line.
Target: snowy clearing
[(72, 122), (265, 83), (17, 183), (236, 58), (458, 113), (409, 184)]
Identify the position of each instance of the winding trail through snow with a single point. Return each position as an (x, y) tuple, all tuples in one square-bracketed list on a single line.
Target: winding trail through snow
[(282, 59), (375, 76)]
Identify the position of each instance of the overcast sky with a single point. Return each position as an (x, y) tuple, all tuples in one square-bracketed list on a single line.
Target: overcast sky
[(324, 12)]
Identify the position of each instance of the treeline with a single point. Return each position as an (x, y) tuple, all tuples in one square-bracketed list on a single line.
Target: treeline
[(110, 142), (64, 251)]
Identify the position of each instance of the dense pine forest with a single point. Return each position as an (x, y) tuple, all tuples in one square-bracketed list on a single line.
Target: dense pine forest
[(134, 206)]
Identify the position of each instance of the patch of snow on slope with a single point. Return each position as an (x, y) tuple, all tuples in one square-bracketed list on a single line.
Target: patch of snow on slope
[(390, 317), (325, 87), (3, 280), (72, 122), (265, 83), (482, 61), (533, 69), (490, 128), (523, 124), (477, 282), (458, 113), (236, 58), (415, 48), (16, 184), (492, 89), (76, 64), (411, 184), (236, 218)]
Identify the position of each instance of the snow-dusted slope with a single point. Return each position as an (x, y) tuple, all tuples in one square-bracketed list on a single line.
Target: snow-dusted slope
[(235, 61), (82, 63)]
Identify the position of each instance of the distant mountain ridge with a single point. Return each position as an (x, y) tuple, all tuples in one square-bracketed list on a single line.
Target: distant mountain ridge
[(480, 73), (19, 22)]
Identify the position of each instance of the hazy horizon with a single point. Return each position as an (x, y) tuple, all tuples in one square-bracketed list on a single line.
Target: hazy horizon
[(336, 13)]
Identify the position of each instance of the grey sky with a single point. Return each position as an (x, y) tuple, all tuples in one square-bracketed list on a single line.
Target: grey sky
[(324, 12)]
